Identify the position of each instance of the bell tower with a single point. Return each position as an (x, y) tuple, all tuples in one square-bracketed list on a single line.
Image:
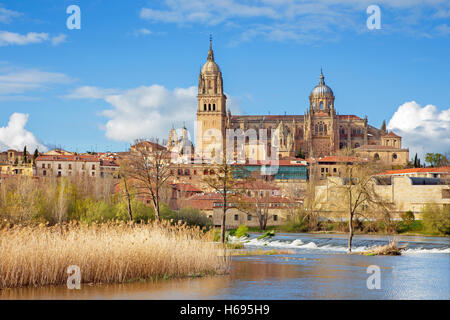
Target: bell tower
[(211, 110)]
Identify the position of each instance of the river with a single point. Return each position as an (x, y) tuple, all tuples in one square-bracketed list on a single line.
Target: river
[(319, 268)]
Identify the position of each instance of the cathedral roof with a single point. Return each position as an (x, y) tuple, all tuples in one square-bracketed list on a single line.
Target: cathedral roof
[(321, 89)]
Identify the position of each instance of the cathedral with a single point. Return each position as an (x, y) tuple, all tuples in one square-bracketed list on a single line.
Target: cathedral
[(321, 131)]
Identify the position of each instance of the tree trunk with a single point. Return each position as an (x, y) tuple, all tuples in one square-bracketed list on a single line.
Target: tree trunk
[(130, 213), (157, 210), (350, 234), (222, 229)]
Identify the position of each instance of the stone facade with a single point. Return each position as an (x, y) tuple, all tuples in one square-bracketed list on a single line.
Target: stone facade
[(319, 132)]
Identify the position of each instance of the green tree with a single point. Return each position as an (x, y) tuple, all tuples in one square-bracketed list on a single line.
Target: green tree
[(25, 157), (436, 159), (300, 154), (35, 155)]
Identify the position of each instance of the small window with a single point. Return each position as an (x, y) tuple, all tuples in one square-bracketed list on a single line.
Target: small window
[(43, 166), (214, 107), (70, 166), (334, 170), (59, 166), (44, 173), (59, 173), (394, 156), (93, 167), (49, 166), (204, 107), (236, 217), (93, 174), (275, 217), (376, 156), (249, 217)]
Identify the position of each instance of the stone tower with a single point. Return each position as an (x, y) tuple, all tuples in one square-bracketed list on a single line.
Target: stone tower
[(211, 111), (321, 129)]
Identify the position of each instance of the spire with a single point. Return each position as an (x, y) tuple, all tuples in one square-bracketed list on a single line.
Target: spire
[(321, 77), (210, 52)]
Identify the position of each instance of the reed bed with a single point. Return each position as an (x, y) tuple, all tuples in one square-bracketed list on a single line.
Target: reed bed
[(106, 253)]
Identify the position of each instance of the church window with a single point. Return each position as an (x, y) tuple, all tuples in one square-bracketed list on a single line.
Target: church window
[(204, 107), (316, 128), (320, 128), (214, 107), (342, 131), (376, 156), (356, 145), (321, 105), (209, 107), (394, 156), (325, 129)]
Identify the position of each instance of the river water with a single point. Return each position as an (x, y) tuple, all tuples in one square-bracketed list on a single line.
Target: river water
[(319, 268)]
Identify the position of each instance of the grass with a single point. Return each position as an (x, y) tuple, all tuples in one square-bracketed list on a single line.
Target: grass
[(114, 252)]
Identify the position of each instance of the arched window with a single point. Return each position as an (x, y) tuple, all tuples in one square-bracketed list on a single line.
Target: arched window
[(376, 156), (214, 107), (325, 129), (342, 130), (321, 105), (357, 145), (209, 107), (316, 128), (394, 156), (204, 107), (320, 128)]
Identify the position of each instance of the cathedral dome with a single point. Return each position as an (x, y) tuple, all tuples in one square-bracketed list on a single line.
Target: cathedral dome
[(210, 67), (321, 89)]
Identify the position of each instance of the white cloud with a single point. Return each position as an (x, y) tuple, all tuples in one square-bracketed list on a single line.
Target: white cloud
[(14, 80), (142, 32), (147, 111), (89, 92), (307, 20), (12, 38), (61, 38), (15, 136), (424, 129), (6, 16)]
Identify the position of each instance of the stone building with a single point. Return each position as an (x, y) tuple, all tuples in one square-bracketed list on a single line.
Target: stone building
[(319, 132), (403, 193)]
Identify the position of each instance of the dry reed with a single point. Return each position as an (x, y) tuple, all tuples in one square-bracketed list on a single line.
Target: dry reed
[(105, 253)]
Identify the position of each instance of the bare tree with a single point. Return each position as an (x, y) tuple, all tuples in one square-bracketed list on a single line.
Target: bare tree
[(147, 167), (355, 194), (222, 179)]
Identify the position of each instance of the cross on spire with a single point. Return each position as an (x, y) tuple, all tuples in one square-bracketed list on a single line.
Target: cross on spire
[(210, 52)]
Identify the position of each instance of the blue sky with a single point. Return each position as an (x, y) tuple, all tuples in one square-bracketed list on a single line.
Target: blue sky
[(132, 68)]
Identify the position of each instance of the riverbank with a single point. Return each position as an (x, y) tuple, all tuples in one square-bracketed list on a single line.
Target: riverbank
[(415, 228), (106, 253)]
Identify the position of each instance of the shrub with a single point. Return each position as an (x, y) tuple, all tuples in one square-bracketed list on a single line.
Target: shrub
[(407, 217), (242, 231), (436, 219)]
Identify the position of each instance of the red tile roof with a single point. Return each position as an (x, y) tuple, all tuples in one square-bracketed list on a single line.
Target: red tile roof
[(83, 158), (391, 134), (417, 170), (336, 159), (186, 187)]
